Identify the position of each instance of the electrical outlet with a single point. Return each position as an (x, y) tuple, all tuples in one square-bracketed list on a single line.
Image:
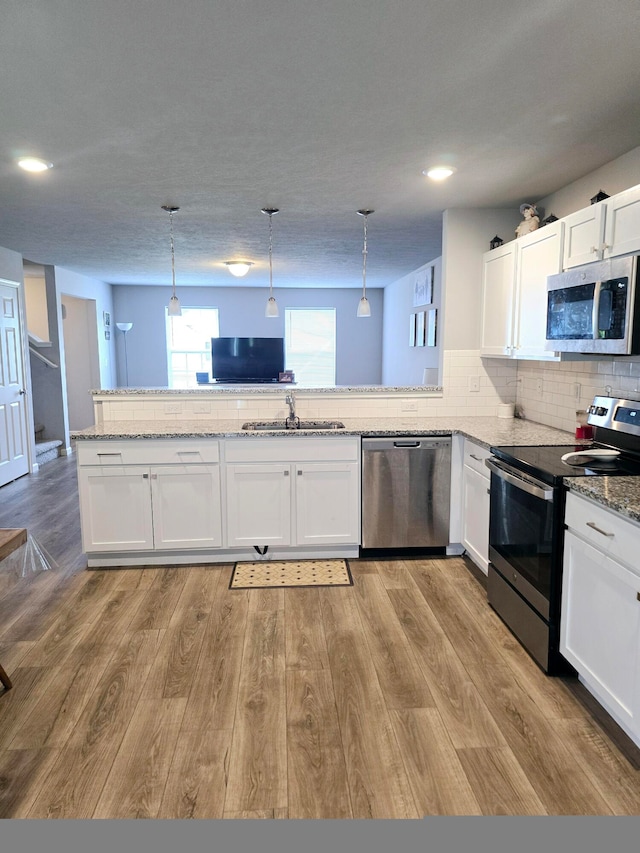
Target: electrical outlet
[(474, 383), (201, 408), (172, 408), (409, 406)]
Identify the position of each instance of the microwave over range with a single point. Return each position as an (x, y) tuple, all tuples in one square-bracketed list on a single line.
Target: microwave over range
[(593, 309)]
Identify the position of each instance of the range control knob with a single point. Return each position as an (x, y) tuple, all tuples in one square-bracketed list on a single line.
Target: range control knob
[(601, 411)]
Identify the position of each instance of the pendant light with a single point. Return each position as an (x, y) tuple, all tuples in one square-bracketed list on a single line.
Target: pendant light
[(364, 309), (174, 309), (272, 306)]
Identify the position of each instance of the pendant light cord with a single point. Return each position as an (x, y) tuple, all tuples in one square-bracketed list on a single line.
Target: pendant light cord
[(364, 259), (173, 254), (270, 255)]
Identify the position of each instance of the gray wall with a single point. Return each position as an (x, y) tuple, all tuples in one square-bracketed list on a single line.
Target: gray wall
[(403, 364), (358, 344)]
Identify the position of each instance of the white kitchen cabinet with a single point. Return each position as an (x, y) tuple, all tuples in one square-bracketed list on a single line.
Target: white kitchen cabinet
[(475, 499), (514, 295), (306, 493), (604, 230), (258, 497), (600, 621), (498, 293), (538, 255), (583, 236), (149, 507)]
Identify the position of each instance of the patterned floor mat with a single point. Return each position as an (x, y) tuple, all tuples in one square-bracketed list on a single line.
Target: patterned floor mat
[(284, 573)]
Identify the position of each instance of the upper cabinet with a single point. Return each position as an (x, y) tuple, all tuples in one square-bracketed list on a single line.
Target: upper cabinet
[(603, 230), (514, 294)]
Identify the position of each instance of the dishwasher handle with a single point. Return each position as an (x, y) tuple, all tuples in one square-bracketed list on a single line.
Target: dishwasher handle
[(414, 442)]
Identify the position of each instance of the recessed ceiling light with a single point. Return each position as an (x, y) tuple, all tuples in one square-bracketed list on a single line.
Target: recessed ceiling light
[(34, 164), (439, 173), (238, 268)]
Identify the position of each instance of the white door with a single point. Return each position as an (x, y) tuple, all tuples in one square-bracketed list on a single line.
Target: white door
[(259, 504), (475, 535), (186, 506), (583, 236), (498, 288), (622, 229), (327, 501), (115, 508), (13, 410)]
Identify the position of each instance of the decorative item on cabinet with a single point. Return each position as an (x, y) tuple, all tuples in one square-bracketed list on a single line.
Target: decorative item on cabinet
[(548, 220), (530, 222), (497, 241), (599, 197)]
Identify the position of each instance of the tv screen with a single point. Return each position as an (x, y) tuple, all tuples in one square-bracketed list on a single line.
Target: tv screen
[(247, 359)]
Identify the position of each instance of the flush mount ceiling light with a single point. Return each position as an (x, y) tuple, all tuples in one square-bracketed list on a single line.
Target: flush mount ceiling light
[(364, 309), (238, 268), (439, 173), (174, 309), (34, 164), (272, 306)]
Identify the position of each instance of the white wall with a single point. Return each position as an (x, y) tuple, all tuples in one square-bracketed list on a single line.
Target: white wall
[(466, 235), (358, 345), (80, 359), (83, 287), (403, 364), (612, 178)]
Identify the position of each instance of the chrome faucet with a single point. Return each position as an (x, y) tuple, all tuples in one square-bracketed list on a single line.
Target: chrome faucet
[(290, 400)]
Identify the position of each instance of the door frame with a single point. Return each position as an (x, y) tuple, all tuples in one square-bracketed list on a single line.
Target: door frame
[(32, 465)]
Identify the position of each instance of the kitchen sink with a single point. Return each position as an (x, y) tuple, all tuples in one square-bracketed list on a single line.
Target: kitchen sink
[(265, 426)]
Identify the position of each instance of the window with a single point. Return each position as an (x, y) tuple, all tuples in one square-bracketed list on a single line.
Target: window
[(189, 345), (310, 345)]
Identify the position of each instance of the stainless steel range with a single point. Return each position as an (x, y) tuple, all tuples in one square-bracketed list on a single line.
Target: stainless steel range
[(526, 523)]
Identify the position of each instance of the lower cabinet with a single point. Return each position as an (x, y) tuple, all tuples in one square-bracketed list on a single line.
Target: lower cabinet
[(130, 507), (475, 500), (300, 502), (600, 621), (156, 501)]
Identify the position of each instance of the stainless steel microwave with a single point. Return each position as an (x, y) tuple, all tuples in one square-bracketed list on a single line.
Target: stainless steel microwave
[(593, 308)]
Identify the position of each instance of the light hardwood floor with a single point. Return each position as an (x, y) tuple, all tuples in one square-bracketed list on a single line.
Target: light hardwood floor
[(159, 692)]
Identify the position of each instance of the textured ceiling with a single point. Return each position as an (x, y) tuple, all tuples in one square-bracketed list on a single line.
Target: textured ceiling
[(223, 107)]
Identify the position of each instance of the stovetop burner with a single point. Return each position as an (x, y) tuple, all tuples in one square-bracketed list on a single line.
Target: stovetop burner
[(546, 462)]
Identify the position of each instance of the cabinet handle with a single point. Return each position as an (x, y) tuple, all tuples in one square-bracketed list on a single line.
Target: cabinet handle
[(477, 458), (110, 454), (299, 472), (286, 473), (638, 595), (595, 527), (145, 476)]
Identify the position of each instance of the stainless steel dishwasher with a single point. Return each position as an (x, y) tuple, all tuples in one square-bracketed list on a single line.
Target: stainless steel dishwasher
[(406, 485)]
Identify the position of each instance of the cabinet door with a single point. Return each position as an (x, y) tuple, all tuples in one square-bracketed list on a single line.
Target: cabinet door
[(115, 508), (583, 236), (537, 255), (498, 301), (327, 503), (258, 504), (622, 228), (600, 628), (186, 506), (475, 528)]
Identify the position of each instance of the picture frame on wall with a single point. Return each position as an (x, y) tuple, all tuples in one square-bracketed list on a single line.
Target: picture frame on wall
[(420, 328), (412, 330), (423, 287), (432, 327)]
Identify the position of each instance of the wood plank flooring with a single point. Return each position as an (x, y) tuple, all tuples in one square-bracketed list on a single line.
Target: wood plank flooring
[(160, 693)]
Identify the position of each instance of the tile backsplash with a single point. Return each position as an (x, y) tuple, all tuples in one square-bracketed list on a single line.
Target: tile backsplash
[(549, 393)]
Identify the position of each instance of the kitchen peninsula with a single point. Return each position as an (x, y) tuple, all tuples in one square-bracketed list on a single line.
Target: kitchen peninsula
[(171, 477)]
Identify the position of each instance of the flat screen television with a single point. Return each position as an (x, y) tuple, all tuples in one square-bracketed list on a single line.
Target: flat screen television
[(247, 359)]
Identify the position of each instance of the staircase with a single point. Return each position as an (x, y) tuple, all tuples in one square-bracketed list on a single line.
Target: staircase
[(45, 450)]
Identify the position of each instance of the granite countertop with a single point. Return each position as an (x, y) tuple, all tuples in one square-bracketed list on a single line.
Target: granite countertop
[(486, 431), (621, 494)]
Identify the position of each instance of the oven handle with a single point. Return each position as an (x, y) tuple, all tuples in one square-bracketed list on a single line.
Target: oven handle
[(519, 480)]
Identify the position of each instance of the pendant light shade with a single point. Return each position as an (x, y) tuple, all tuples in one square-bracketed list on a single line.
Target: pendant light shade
[(364, 308), (272, 306), (174, 309)]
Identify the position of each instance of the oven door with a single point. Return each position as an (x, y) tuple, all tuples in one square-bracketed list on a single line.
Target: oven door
[(523, 530)]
